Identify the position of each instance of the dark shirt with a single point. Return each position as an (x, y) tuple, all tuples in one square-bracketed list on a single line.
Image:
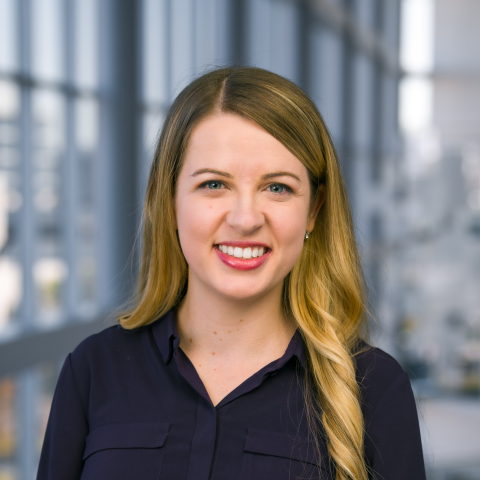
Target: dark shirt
[(130, 405)]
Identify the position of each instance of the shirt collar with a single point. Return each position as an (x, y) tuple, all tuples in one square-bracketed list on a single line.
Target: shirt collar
[(166, 337)]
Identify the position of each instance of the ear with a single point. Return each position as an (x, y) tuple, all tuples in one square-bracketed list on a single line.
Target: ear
[(315, 207)]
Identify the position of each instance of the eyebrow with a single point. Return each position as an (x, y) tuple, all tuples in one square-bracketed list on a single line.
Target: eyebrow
[(267, 176), (211, 170), (280, 174)]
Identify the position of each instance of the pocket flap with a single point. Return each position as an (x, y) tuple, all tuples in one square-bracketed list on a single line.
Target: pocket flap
[(285, 445), (126, 435)]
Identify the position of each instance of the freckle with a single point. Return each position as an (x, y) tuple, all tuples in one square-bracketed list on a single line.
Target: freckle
[(213, 353), (237, 329), (229, 331), (241, 319), (215, 333), (220, 339), (190, 340), (214, 369), (199, 365)]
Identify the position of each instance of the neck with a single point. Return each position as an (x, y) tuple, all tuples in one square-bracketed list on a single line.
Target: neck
[(210, 325)]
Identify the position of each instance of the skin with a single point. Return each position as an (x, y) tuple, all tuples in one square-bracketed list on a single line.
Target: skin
[(231, 322)]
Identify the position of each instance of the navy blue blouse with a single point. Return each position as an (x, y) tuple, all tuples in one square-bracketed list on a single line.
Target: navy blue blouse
[(130, 405)]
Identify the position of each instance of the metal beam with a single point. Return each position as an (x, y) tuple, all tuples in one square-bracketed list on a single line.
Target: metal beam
[(340, 19), (29, 350)]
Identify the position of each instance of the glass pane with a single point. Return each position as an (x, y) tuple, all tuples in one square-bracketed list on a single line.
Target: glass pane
[(10, 205), (285, 36), (48, 39), (49, 269), (8, 438), (327, 82), (154, 51), (259, 37), (182, 44), (86, 137), (152, 123), (86, 43), (205, 33), (8, 35), (47, 379), (363, 103), (33, 392), (365, 12)]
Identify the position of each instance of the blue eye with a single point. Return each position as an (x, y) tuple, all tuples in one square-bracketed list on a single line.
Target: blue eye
[(214, 185), (276, 188), (279, 188)]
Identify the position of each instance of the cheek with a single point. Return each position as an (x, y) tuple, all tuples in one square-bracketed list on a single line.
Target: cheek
[(196, 226), (290, 230)]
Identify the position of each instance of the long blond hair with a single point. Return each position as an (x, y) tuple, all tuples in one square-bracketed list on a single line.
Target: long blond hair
[(324, 292)]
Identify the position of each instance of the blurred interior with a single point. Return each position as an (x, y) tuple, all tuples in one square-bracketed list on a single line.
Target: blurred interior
[(84, 88)]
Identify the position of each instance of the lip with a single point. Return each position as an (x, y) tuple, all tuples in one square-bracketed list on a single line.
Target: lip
[(243, 244), (240, 263)]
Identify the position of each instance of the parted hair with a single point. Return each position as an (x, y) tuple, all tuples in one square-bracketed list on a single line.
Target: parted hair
[(324, 292)]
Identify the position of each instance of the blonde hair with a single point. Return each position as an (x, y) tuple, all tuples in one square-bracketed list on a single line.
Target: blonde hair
[(324, 292)]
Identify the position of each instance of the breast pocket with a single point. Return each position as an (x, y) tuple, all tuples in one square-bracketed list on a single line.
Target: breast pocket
[(279, 456), (125, 451)]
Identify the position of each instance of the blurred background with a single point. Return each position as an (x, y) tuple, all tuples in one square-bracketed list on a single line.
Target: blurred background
[(84, 88)]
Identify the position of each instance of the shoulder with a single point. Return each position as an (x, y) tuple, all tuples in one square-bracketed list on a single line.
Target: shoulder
[(378, 373), (107, 347)]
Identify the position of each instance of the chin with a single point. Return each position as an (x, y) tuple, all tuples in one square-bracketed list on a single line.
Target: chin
[(244, 292)]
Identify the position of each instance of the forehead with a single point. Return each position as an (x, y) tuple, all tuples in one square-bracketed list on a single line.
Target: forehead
[(230, 141)]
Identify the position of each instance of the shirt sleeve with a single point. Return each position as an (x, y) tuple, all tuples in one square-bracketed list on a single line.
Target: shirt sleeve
[(67, 429), (393, 445)]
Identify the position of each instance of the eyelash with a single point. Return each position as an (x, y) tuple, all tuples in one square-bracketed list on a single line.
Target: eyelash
[(205, 184)]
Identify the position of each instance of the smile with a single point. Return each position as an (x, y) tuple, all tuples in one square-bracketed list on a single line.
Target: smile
[(248, 252), (246, 258)]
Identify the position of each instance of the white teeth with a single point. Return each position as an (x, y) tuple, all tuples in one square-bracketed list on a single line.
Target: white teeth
[(246, 253)]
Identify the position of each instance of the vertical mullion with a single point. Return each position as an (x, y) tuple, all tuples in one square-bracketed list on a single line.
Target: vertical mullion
[(69, 213), (193, 39), (305, 27), (28, 221), (27, 387), (26, 382), (378, 126), (169, 46), (238, 23), (139, 101), (347, 108), (104, 188)]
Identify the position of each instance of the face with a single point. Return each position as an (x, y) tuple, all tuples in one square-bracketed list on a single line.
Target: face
[(242, 205)]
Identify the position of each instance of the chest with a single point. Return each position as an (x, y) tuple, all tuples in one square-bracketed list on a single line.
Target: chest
[(161, 425)]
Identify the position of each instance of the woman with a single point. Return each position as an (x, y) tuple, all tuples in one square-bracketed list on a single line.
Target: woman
[(244, 355)]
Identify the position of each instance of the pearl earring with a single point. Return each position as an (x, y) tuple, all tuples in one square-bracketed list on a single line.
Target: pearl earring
[(307, 234)]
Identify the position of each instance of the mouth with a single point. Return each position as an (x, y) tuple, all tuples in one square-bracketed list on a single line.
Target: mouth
[(246, 253), (243, 258)]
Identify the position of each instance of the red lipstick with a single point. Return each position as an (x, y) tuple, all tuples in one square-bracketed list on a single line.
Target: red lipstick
[(241, 263)]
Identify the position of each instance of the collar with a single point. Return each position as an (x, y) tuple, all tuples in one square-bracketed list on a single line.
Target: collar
[(166, 336), (167, 339)]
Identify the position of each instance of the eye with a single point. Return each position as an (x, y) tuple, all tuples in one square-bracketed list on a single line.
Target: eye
[(279, 188), (212, 185)]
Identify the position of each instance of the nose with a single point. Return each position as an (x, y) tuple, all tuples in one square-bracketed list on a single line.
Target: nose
[(245, 216)]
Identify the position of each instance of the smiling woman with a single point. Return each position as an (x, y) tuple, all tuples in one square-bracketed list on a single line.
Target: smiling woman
[(244, 356)]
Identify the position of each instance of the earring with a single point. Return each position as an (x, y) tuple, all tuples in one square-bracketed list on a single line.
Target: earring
[(307, 234)]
